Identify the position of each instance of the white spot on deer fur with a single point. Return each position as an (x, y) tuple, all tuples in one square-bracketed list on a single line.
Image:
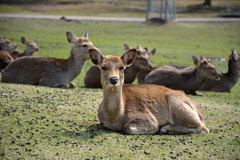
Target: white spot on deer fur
[(133, 129)]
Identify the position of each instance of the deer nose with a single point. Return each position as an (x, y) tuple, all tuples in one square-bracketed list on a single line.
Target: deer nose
[(151, 67), (220, 75), (37, 49), (113, 80)]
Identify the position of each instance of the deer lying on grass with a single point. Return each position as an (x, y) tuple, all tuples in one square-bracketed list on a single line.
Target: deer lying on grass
[(143, 74), (229, 79), (142, 109), (141, 63), (5, 59), (189, 80), (7, 45), (30, 48), (52, 72)]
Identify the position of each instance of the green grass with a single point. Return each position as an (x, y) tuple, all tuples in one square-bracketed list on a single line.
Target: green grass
[(120, 8), (48, 123)]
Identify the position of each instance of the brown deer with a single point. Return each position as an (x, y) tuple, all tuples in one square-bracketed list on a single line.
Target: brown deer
[(30, 48), (52, 72), (143, 74), (141, 63), (229, 79), (189, 80), (7, 45), (5, 59), (142, 109)]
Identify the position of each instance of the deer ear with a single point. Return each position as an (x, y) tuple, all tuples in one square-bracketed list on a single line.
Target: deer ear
[(95, 56), (139, 47), (196, 60), (126, 47), (129, 56), (36, 40), (23, 39), (153, 51), (234, 55), (203, 57), (2, 40), (85, 34), (71, 38)]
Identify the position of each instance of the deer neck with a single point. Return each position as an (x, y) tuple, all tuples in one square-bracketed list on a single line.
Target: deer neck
[(25, 53), (233, 72), (194, 79), (113, 104), (74, 66), (131, 73)]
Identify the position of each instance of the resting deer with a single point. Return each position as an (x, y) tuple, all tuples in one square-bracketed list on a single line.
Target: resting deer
[(141, 63), (30, 48), (189, 80), (143, 74), (5, 59), (229, 79), (7, 45), (52, 72), (142, 109)]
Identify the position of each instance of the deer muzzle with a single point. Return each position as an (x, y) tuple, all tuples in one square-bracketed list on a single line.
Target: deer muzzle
[(113, 80), (219, 77)]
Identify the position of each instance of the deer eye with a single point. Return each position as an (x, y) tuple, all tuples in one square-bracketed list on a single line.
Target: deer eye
[(121, 68), (104, 68), (84, 45)]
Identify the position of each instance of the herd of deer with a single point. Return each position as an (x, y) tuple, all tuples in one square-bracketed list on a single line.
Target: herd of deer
[(157, 105)]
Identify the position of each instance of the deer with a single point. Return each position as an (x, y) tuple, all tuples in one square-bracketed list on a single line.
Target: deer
[(143, 74), (30, 48), (5, 59), (48, 71), (7, 45), (141, 63), (229, 79), (189, 79), (142, 109)]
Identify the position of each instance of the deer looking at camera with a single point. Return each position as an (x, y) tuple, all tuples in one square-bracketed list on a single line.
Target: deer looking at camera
[(142, 109), (51, 72), (30, 48), (229, 79), (189, 80), (141, 63)]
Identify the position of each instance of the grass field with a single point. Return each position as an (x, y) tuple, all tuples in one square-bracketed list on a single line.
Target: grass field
[(116, 8), (48, 123)]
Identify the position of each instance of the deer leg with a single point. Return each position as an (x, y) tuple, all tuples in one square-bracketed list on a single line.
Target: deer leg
[(141, 126), (71, 85), (196, 94), (179, 129), (185, 116), (52, 82)]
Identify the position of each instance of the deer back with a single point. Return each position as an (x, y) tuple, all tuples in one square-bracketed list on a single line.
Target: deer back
[(189, 80), (47, 71)]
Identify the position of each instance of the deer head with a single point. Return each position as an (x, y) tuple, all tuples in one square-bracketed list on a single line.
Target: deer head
[(142, 60), (31, 46), (6, 44), (80, 45), (206, 68), (112, 67)]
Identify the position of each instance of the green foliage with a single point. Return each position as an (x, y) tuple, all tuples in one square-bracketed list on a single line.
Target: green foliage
[(48, 123)]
